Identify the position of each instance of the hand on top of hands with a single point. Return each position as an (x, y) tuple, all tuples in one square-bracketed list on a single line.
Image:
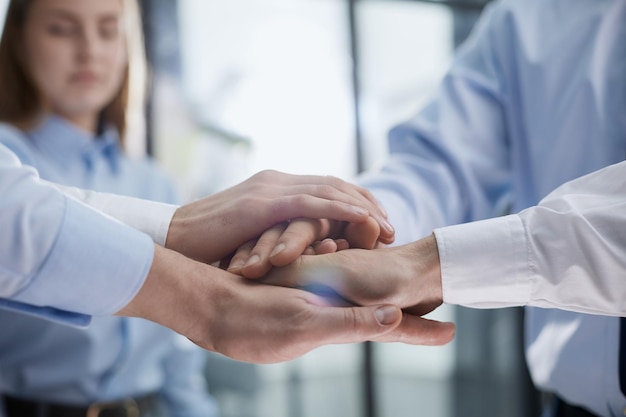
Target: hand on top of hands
[(213, 228), (286, 242), (408, 276)]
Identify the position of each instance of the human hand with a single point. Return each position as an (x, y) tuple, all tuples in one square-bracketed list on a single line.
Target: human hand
[(284, 243), (252, 322), (408, 276), (214, 227)]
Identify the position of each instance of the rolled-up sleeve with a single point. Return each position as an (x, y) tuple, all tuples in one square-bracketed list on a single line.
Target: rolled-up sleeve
[(58, 255)]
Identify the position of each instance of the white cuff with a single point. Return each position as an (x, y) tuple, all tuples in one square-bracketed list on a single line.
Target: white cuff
[(146, 216), (484, 264), (150, 217)]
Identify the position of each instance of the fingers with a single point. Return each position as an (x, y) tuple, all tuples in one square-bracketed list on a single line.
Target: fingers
[(304, 232), (295, 239), (245, 211), (331, 205), (362, 235), (280, 245), (283, 244), (350, 197), (417, 330), (382, 324), (353, 324), (357, 192), (328, 246), (252, 258)]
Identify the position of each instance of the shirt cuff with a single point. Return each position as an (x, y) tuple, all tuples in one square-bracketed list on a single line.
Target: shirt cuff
[(150, 217), (484, 264), (47, 313), (146, 216), (96, 266)]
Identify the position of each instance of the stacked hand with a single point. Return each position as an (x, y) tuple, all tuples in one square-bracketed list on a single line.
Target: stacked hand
[(266, 224), (407, 276), (249, 321), (210, 229)]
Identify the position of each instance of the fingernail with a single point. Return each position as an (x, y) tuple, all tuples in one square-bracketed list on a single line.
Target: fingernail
[(253, 260), (278, 249), (360, 210), (388, 226), (236, 265), (386, 315), (382, 209)]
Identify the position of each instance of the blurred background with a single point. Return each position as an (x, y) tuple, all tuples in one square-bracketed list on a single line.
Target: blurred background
[(312, 86)]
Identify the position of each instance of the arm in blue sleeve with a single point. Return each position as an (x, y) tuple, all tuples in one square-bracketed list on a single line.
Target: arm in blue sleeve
[(58, 255), (450, 163)]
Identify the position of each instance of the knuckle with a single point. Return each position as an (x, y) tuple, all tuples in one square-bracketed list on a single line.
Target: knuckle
[(334, 181), (326, 190), (351, 318)]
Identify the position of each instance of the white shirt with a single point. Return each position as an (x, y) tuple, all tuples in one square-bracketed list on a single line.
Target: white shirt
[(568, 252)]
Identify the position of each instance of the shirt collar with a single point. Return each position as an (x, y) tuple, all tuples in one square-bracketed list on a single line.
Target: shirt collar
[(63, 141)]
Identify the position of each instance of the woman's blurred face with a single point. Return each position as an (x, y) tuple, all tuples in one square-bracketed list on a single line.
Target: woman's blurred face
[(75, 51)]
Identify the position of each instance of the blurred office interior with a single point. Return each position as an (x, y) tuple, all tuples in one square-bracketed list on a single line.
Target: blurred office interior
[(312, 86)]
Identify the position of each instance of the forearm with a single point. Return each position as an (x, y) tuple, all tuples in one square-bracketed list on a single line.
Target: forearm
[(173, 290), (568, 252), (425, 273)]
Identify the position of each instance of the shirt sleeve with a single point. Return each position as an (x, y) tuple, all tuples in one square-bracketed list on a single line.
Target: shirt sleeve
[(60, 258), (568, 252), (445, 167), (150, 217)]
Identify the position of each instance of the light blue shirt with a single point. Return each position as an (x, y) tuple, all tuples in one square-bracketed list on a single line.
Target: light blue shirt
[(535, 97), (49, 242), (114, 357)]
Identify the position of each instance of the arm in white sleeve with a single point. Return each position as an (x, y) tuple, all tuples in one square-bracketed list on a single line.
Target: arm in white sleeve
[(58, 255), (150, 217), (146, 216), (568, 252)]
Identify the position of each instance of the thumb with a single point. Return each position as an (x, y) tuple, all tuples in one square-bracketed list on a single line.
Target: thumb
[(355, 324)]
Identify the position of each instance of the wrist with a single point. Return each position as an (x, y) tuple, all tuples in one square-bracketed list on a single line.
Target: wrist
[(177, 294), (174, 233), (426, 270), (189, 233)]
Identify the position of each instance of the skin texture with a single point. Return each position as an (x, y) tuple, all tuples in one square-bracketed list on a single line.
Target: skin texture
[(284, 243), (251, 321), (408, 276), (248, 321), (269, 198), (76, 55)]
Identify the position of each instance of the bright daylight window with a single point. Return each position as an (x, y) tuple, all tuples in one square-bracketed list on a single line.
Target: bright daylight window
[(268, 84)]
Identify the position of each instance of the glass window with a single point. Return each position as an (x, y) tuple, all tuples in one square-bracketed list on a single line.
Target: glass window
[(245, 85), (264, 84)]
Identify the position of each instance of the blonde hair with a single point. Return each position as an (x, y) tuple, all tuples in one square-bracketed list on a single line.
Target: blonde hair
[(20, 100)]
